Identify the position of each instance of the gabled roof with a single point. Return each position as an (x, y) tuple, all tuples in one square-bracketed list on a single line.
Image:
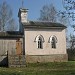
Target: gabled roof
[(43, 25)]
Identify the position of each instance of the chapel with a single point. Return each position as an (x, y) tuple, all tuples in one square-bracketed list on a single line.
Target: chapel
[(36, 41)]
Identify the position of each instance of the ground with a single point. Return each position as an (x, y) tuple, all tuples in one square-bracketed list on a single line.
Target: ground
[(55, 68)]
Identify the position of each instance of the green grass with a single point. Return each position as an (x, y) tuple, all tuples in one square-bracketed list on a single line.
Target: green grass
[(60, 68)]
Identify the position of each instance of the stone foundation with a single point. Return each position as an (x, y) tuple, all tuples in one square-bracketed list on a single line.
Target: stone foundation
[(46, 58), (16, 61)]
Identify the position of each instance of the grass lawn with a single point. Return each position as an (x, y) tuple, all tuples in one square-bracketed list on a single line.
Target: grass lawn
[(60, 68)]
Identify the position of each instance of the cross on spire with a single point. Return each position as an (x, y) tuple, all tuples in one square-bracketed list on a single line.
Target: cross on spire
[(22, 3)]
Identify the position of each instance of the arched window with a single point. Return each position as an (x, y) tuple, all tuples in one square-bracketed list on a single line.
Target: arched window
[(53, 41), (40, 43), (39, 40)]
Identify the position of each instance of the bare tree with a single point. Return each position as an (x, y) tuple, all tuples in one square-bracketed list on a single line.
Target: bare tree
[(63, 19), (12, 25), (48, 13), (5, 16)]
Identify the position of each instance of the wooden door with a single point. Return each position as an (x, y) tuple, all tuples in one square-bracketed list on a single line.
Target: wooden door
[(18, 47)]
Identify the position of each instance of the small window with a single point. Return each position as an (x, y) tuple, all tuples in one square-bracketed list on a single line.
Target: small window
[(39, 41), (53, 41)]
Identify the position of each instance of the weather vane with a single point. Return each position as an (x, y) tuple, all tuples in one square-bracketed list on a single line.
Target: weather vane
[(22, 3)]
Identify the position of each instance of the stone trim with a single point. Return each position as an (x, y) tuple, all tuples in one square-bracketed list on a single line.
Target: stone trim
[(46, 58)]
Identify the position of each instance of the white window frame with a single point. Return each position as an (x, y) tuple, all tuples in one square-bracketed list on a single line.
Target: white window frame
[(39, 41), (53, 39)]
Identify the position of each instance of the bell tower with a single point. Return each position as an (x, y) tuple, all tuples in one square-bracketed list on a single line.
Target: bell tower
[(22, 14)]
